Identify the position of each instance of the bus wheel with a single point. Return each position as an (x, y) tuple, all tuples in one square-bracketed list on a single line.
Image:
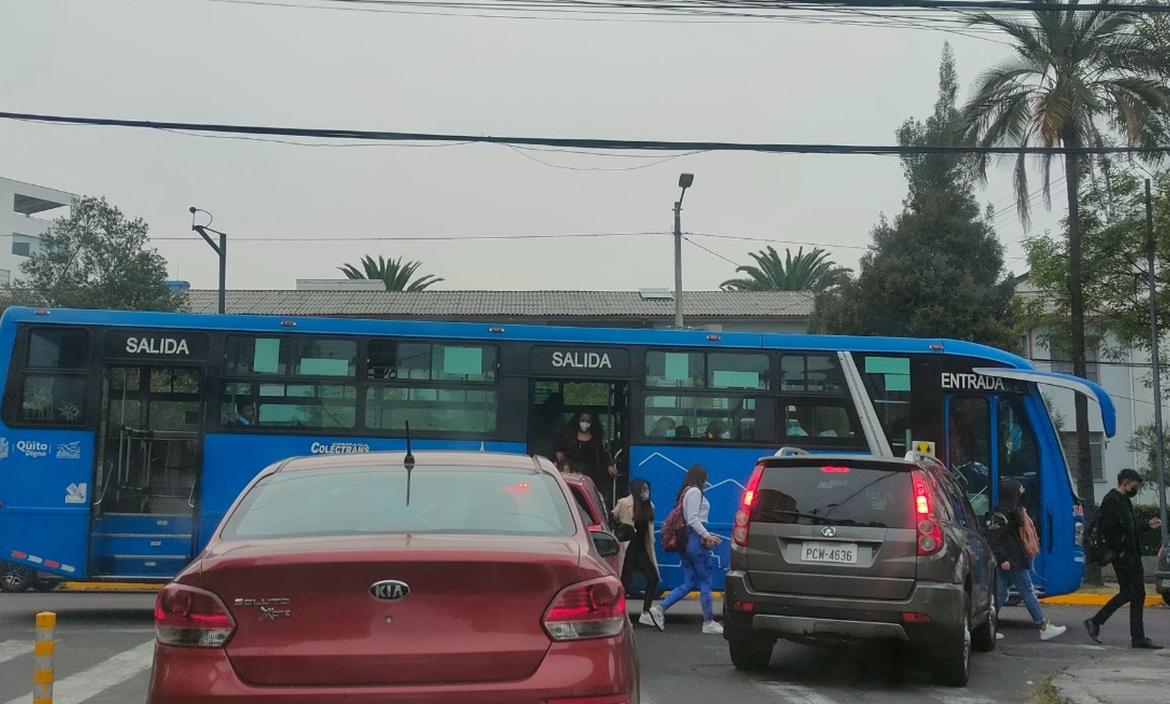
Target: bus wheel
[(15, 578), (45, 584)]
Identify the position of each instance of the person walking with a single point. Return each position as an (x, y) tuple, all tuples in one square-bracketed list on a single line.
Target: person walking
[(636, 556), (1015, 544), (696, 556), (1118, 526)]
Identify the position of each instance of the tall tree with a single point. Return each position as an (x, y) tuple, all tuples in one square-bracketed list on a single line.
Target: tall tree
[(394, 273), (97, 258), (937, 269), (813, 271), (1076, 77)]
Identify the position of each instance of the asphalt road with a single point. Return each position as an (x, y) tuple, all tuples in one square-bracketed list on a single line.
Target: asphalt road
[(104, 651)]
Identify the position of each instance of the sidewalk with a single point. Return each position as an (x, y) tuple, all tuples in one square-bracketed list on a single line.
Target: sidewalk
[(1117, 680)]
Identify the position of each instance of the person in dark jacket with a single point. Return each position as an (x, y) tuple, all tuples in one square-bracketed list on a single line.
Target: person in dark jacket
[(581, 449), (1014, 544), (1118, 526)]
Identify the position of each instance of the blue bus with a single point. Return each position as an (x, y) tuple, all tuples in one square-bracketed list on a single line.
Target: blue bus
[(124, 436)]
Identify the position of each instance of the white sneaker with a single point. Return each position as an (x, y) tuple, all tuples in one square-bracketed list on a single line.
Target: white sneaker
[(713, 628), (646, 620), (657, 618), (999, 636), (1048, 632)]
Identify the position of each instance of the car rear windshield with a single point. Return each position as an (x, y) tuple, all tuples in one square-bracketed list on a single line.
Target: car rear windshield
[(852, 493), (359, 501)]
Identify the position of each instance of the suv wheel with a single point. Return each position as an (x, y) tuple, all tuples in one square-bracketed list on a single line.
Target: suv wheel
[(15, 578), (983, 639), (750, 654), (954, 671), (1166, 598)]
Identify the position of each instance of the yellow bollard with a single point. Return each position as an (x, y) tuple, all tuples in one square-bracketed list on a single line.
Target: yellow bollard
[(43, 658)]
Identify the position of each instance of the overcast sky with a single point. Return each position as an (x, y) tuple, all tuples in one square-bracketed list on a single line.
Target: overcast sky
[(195, 60)]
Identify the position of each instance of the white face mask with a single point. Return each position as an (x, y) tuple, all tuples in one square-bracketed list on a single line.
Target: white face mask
[(584, 426), (645, 496)]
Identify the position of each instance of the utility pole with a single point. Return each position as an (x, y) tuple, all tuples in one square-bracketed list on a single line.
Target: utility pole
[(220, 249), (684, 182), (1156, 366)]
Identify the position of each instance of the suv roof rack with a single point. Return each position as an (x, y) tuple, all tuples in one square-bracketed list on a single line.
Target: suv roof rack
[(790, 452)]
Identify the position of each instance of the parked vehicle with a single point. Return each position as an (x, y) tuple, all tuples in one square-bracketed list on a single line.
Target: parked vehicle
[(591, 505), (1162, 575), (384, 577), (857, 548)]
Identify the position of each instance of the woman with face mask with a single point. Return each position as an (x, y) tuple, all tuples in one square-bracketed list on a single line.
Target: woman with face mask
[(582, 449), (1015, 544), (637, 555)]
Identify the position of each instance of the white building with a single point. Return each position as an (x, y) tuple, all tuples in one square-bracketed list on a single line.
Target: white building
[(1122, 371), (26, 211)]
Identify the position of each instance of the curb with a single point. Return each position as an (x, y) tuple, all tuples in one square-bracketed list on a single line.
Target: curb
[(111, 586), (1085, 599)]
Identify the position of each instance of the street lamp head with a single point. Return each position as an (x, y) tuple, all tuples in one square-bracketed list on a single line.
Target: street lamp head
[(685, 180), (193, 209)]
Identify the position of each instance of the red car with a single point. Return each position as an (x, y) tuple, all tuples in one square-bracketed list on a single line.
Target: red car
[(592, 507), (468, 578)]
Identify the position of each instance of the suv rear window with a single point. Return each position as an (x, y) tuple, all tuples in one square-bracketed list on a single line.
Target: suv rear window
[(846, 494), (371, 500)]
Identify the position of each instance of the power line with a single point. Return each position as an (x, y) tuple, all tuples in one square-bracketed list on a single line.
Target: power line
[(417, 238), (574, 142), (712, 252)]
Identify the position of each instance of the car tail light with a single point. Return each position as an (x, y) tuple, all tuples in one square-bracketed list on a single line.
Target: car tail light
[(929, 531), (743, 517), (835, 469), (914, 617), (193, 617), (748, 606), (593, 609)]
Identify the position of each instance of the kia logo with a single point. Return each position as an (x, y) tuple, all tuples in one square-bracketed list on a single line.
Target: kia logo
[(389, 590), (828, 531)]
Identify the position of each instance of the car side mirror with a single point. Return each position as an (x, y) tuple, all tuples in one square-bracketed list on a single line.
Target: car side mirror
[(624, 532), (606, 543)]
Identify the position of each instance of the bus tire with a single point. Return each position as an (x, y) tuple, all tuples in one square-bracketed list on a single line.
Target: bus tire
[(15, 578), (45, 584)]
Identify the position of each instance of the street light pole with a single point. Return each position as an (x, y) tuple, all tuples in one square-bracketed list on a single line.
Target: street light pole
[(1156, 366), (684, 182), (220, 249)]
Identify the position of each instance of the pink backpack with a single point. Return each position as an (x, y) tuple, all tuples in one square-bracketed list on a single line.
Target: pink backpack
[(674, 530)]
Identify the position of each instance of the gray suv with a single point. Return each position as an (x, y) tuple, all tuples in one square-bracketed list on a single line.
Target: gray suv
[(839, 548)]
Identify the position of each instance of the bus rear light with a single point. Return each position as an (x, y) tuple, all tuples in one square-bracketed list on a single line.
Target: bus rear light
[(191, 617)]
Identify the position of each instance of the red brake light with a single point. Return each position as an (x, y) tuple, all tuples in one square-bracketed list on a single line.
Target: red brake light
[(914, 617), (593, 609), (830, 469), (193, 617), (739, 533), (929, 531)]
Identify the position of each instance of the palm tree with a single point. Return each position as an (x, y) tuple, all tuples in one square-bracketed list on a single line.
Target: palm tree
[(395, 273), (1077, 78), (804, 272)]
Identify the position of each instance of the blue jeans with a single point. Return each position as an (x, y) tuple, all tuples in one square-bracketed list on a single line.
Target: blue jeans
[(696, 564), (1022, 581)]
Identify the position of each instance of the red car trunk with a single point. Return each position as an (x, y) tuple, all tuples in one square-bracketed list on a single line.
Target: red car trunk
[(472, 614)]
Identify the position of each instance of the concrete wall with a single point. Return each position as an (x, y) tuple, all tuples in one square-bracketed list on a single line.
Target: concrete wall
[(26, 210)]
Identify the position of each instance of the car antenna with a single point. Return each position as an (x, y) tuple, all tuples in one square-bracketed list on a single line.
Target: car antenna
[(408, 462)]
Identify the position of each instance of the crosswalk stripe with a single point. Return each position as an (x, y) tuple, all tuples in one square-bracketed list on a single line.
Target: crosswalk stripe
[(795, 694), (11, 649), (80, 686)]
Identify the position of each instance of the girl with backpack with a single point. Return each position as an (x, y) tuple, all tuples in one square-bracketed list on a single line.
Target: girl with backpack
[(636, 556), (1015, 544), (696, 553)]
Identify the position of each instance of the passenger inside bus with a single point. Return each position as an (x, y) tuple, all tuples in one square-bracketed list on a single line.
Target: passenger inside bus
[(245, 413), (545, 425)]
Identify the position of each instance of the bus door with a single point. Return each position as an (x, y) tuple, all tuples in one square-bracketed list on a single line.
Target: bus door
[(149, 458)]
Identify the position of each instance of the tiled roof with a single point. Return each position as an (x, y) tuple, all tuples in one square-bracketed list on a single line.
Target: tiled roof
[(456, 305)]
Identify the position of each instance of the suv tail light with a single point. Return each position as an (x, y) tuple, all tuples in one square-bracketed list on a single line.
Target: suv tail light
[(929, 531), (743, 517), (593, 609), (192, 617)]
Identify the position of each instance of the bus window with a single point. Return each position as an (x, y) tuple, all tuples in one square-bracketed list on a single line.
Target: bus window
[(887, 379), (737, 371), (55, 400), (390, 360), (283, 356), (305, 406), (969, 448), (824, 419), (676, 370), (65, 348), (700, 417), (812, 373), (1019, 456), (431, 409)]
